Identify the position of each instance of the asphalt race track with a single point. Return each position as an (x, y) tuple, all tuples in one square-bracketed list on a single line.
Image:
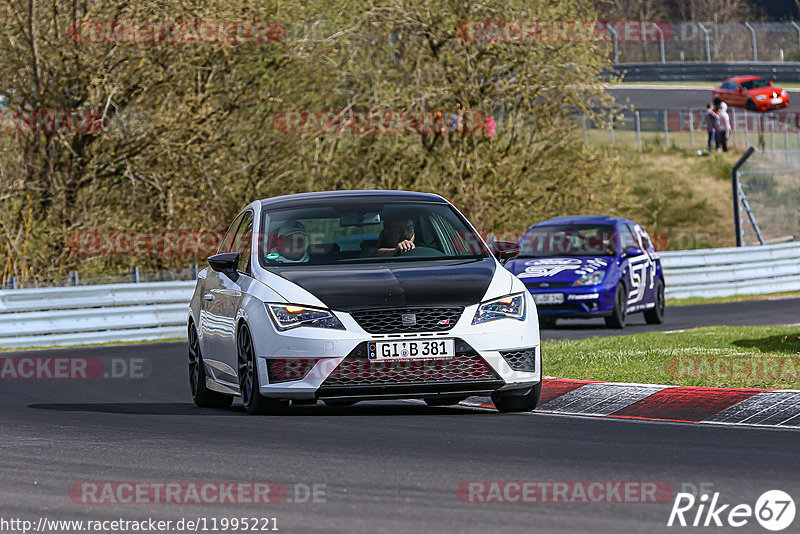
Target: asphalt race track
[(384, 467), (676, 98)]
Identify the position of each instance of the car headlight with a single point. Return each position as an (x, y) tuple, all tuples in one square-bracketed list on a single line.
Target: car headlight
[(287, 316), (783, 92), (508, 307), (761, 97), (590, 279)]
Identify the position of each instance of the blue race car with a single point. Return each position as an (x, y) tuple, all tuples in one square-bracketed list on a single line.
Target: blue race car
[(591, 266)]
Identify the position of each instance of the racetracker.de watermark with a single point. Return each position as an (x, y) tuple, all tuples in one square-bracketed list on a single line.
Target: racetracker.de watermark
[(750, 368), (383, 122), (72, 368), (143, 243), (563, 31), (203, 492), (571, 492), (50, 122), (130, 32)]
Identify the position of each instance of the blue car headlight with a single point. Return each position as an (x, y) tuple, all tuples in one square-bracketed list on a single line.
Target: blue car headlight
[(287, 316), (508, 307), (590, 279)]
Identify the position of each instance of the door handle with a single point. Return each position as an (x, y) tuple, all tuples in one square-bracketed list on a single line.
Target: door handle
[(208, 296)]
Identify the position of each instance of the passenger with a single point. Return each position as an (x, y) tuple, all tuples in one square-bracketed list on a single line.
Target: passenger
[(396, 238), (291, 244)]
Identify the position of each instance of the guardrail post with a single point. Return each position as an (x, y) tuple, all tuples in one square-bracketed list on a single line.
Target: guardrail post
[(708, 41), (135, 275), (691, 128), (613, 31), (637, 121), (12, 282), (737, 223), (73, 278), (661, 42), (193, 269), (796, 27), (755, 43), (772, 131), (611, 127), (666, 129), (583, 126)]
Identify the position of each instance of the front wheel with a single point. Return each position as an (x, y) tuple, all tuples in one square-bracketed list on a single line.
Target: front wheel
[(252, 399), (510, 402), (202, 396), (620, 312), (751, 106), (656, 314)]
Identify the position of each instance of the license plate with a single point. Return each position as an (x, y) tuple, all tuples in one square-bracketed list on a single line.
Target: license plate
[(412, 349), (548, 298), (776, 101)]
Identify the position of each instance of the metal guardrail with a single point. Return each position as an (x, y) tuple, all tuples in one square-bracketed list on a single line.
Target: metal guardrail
[(780, 72), (58, 316), (724, 272)]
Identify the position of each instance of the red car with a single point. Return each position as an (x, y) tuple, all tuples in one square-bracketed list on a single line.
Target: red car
[(751, 92)]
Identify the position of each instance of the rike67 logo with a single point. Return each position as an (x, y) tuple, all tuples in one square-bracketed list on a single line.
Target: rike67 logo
[(774, 510)]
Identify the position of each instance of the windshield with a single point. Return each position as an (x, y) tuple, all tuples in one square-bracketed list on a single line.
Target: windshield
[(568, 240), (754, 84), (365, 232)]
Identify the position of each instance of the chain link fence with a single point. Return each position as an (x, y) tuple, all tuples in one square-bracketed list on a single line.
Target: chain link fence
[(777, 131), (769, 191), (709, 42)]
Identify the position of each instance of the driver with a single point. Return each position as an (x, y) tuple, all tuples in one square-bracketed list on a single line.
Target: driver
[(396, 238), (291, 243)]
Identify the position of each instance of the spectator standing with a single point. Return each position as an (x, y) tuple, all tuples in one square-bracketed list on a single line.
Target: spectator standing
[(711, 125)]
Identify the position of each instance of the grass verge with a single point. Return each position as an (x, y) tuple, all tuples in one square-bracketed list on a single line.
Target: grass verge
[(691, 301), (753, 357)]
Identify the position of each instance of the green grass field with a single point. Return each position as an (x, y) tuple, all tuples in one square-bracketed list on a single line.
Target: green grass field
[(755, 357)]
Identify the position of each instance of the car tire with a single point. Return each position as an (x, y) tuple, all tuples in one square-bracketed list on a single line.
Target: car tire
[(518, 403), (436, 401), (252, 399), (202, 396), (751, 106), (620, 312), (656, 315)]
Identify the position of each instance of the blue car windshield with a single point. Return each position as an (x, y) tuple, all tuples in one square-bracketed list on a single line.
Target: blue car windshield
[(568, 240), (365, 232)]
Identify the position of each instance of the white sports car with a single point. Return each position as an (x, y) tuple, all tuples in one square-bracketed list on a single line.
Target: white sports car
[(360, 295)]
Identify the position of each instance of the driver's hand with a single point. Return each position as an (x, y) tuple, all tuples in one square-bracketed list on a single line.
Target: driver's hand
[(403, 246)]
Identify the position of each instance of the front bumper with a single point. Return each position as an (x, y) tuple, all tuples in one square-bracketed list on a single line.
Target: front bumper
[(338, 367), (578, 302)]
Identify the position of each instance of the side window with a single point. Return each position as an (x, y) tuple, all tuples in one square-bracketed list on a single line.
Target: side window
[(243, 242), (627, 239), (227, 241)]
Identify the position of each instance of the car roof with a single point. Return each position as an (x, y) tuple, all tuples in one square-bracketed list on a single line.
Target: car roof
[(579, 219), (321, 198), (743, 78)]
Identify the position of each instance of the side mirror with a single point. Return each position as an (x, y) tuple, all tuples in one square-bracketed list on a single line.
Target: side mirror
[(226, 264), (634, 251), (505, 250), (738, 89), (770, 82)]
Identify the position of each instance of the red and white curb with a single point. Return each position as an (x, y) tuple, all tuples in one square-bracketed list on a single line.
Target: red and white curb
[(688, 404)]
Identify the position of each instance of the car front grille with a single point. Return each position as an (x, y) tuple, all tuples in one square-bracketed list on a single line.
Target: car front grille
[(357, 370), (546, 285), (407, 320), (521, 360)]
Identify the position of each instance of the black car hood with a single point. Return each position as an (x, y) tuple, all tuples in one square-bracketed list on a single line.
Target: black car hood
[(419, 283)]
